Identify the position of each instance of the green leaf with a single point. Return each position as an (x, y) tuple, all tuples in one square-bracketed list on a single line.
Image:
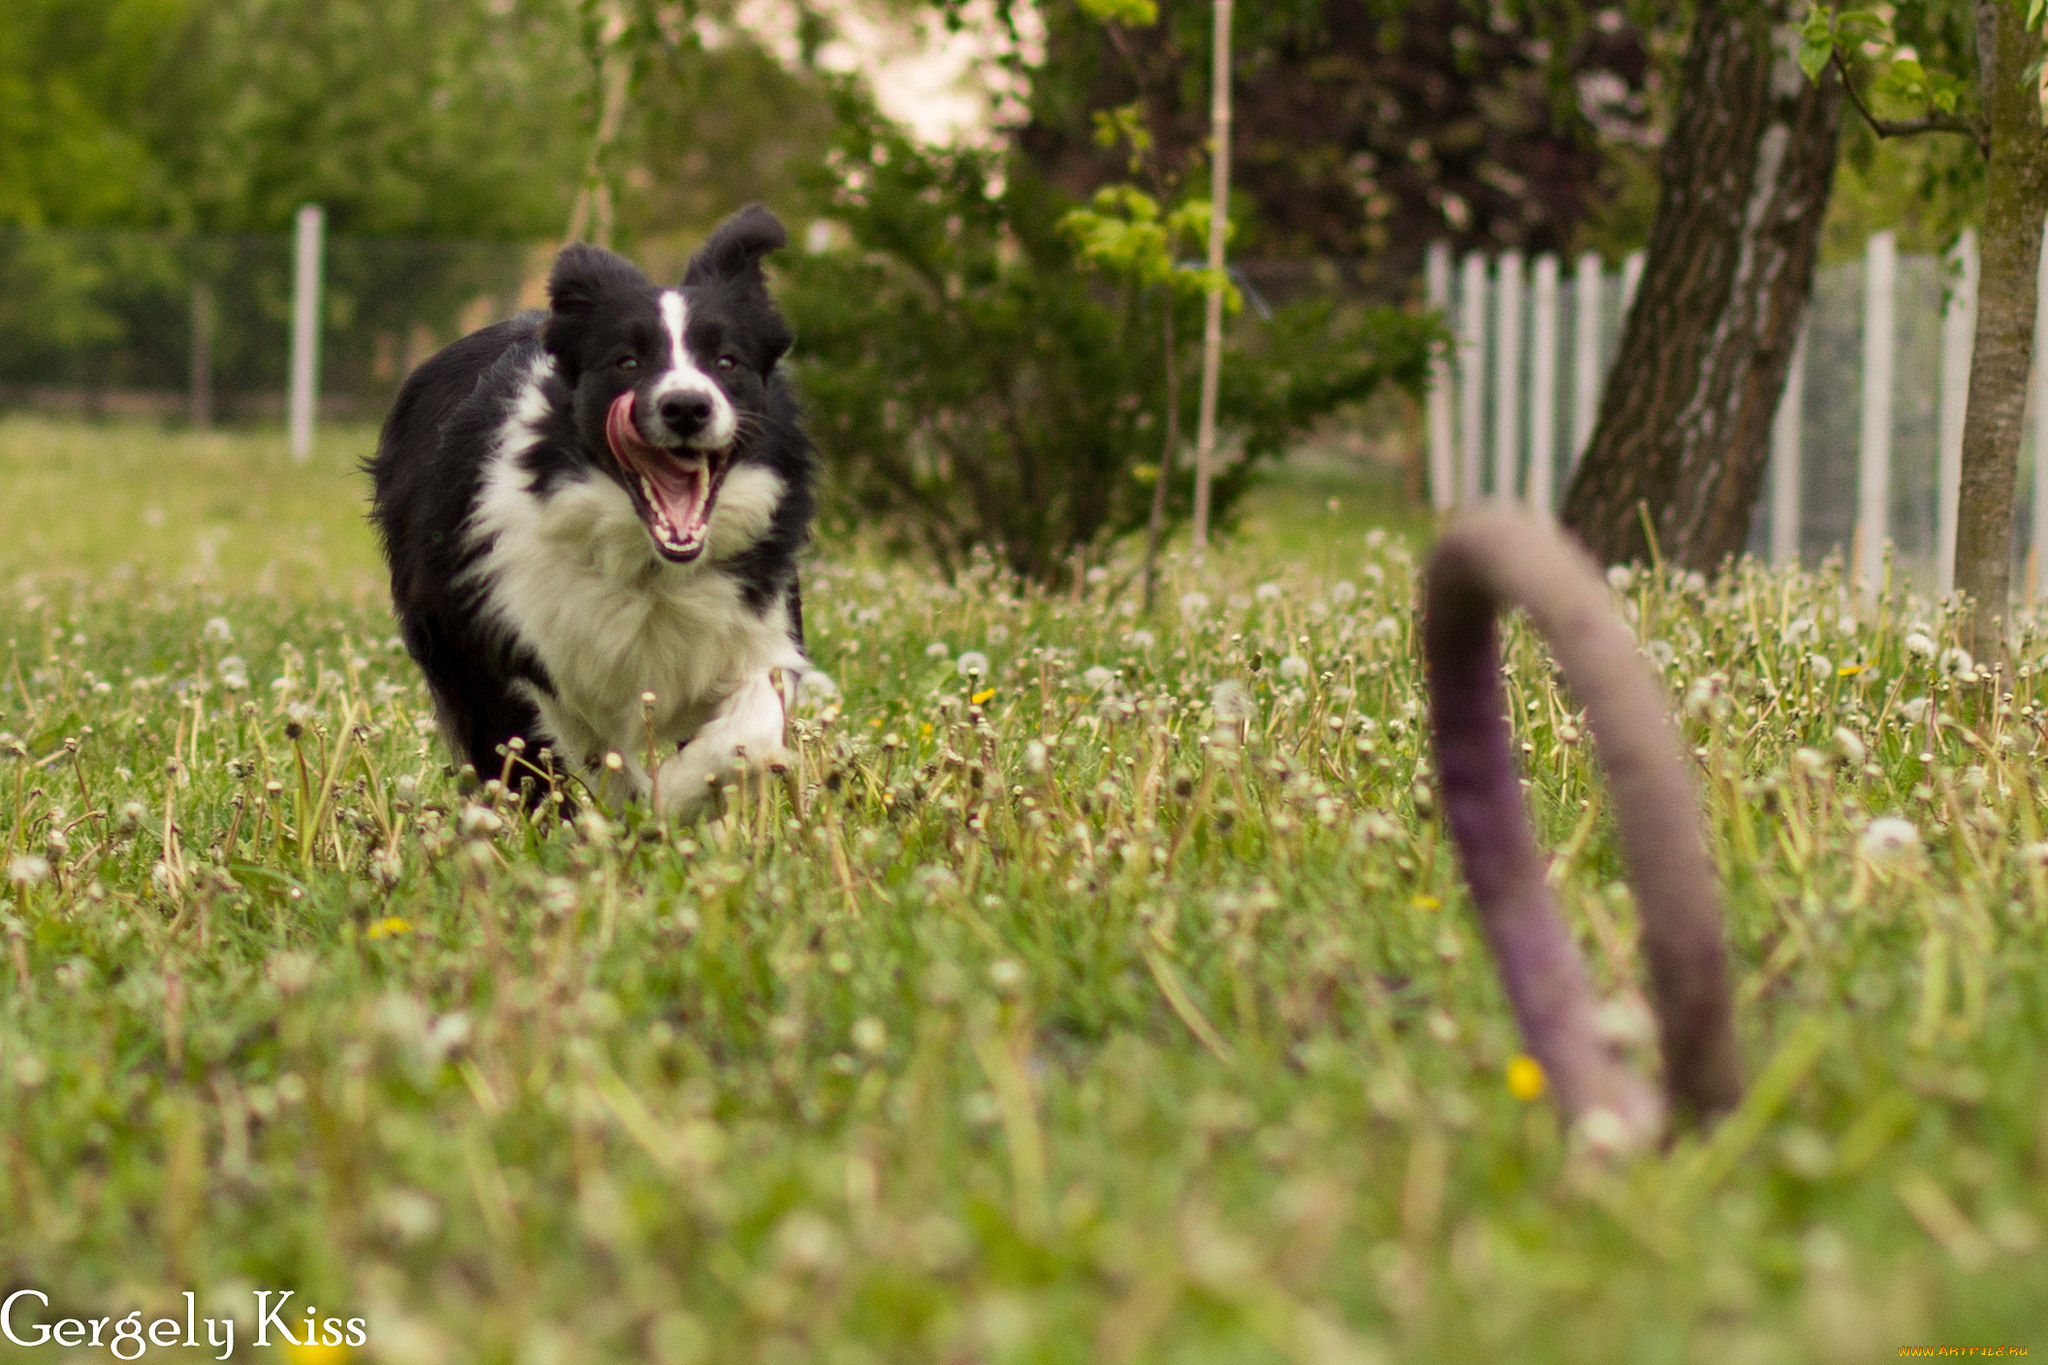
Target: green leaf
[(1813, 56), (1135, 13)]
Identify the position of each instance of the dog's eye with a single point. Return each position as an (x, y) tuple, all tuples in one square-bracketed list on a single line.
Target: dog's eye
[(628, 363), (726, 362)]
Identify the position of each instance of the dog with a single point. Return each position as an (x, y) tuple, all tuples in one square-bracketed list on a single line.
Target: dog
[(592, 517)]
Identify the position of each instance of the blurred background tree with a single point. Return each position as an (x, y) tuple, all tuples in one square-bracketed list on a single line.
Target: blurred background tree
[(1365, 129)]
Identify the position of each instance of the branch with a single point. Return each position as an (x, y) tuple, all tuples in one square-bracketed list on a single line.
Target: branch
[(1486, 562), (1893, 127)]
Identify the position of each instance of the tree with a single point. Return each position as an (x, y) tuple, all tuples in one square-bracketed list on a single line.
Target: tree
[(1678, 453), (979, 384), (1363, 129), (1931, 81)]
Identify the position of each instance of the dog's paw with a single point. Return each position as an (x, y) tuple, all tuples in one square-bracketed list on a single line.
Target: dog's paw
[(744, 738)]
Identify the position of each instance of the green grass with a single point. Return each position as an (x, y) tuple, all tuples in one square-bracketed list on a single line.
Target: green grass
[(1136, 1046)]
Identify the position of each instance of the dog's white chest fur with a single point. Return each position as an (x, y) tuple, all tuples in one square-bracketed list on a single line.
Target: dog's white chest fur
[(574, 577)]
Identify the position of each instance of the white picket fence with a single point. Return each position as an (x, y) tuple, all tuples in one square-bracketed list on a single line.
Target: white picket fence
[(1512, 405)]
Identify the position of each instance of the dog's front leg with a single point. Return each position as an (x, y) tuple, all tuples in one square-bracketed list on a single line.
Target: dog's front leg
[(747, 726)]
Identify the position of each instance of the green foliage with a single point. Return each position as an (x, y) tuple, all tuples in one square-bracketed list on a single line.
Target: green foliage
[(974, 381), (1136, 13), (1901, 76), (77, 81), (1056, 1019), (1124, 233)]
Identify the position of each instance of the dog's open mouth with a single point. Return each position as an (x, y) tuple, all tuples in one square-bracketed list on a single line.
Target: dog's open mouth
[(676, 486)]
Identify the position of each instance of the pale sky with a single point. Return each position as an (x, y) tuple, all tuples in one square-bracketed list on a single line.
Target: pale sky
[(944, 87)]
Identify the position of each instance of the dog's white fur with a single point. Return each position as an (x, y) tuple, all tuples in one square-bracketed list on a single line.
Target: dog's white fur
[(611, 620), (684, 376)]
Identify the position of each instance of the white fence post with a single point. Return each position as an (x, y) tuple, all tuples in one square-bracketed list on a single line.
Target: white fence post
[(1507, 374), (305, 392), (1786, 453), (1586, 369), (1471, 374), (1443, 453), (1874, 455), (1958, 340), (1543, 384), (1631, 279)]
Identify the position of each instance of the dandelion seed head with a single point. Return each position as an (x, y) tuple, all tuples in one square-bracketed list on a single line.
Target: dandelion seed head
[(815, 690), (1850, 745), (1097, 678), (1343, 594), (217, 631), (1889, 839), (937, 649), (1268, 593), (1293, 668), (28, 869), (1918, 644), (971, 664), (1231, 703), (1194, 605)]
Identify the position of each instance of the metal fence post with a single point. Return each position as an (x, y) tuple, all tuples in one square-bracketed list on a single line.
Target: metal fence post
[(202, 355), (1586, 370), (305, 390), (1958, 341), (2037, 553), (1874, 455), (1543, 384), (1507, 374), (1786, 453), (1443, 437), (1631, 279), (1471, 373)]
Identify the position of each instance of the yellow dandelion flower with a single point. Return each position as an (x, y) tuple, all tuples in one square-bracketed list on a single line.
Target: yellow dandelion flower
[(390, 927), (1525, 1077), (982, 697), (1425, 902), (313, 1353), (1848, 670), (925, 728)]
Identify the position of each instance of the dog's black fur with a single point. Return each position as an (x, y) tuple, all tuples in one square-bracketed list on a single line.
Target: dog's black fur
[(535, 392)]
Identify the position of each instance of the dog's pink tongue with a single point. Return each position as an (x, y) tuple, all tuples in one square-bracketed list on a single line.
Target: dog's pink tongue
[(676, 491)]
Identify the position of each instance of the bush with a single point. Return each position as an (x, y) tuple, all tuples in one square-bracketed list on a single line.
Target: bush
[(972, 383)]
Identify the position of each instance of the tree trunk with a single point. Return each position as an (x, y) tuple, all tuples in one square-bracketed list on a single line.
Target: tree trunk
[(1685, 421), (2015, 195)]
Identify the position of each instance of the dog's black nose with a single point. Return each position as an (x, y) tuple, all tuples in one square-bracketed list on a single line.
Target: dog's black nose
[(685, 413)]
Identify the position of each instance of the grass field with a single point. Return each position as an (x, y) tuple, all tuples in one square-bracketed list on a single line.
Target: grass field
[(1040, 1019)]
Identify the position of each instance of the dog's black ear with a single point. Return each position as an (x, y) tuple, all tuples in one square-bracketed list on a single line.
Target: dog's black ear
[(734, 250), (583, 276)]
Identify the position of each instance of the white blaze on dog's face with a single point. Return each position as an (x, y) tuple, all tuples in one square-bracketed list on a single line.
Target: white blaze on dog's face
[(668, 382)]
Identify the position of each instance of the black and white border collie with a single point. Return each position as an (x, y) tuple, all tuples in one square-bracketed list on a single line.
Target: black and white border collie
[(584, 506)]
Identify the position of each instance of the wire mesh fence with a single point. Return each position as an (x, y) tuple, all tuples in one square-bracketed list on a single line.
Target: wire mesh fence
[(198, 327), (1867, 466)]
